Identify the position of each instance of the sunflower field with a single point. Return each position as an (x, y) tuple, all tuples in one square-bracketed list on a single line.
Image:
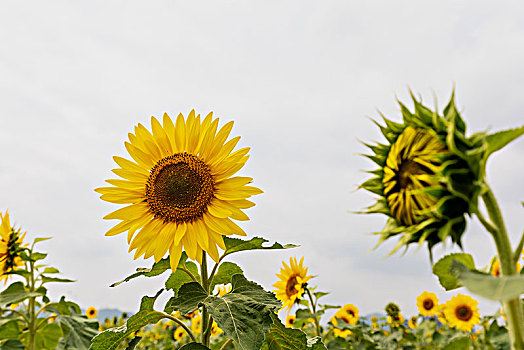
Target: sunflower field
[(180, 203)]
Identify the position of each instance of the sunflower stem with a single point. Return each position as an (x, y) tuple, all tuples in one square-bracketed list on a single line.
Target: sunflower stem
[(512, 307), (205, 317), (314, 310), (32, 315)]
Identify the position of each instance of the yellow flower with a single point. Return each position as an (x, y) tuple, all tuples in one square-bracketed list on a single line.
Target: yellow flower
[(179, 333), (440, 314), (495, 267), (425, 182), (223, 290), (11, 243), (352, 311), (427, 304), (342, 333), (290, 319), (91, 312), (52, 318), (196, 324), (412, 323), (397, 320), (462, 312), (179, 189), (215, 330), (292, 280)]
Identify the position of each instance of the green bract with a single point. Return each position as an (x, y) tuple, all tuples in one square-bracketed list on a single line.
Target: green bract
[(429, 177)]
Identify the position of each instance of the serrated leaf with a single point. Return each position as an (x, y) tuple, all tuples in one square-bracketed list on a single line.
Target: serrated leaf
[(147, 303), (234, 245), (190, 296), (12, 344), (179, 277), (486, 285), (194, 346), (78, 332), (111, 338), (282, 338), (448, 280), (499, 140), (9, 329), (48, 336), (157, 269), (244, 314), (15, 293), (225, 271)]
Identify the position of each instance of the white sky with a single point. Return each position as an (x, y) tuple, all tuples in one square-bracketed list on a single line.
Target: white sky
[(298, 78)]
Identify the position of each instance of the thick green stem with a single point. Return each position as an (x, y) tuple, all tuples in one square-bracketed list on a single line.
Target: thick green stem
[(512, 307), (206, 330), (32, 313), (314, 310)]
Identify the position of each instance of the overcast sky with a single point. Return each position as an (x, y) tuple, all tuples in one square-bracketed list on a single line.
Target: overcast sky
[(299, 78)]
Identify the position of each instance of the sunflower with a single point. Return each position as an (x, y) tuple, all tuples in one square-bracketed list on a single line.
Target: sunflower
[(495, 267), (196, 324), (179, 333), (215, 330), (396, 321), (428, 177), (11, 244), (412, 323), (441, 316), (91, 312), (427, 304), (347, 318), (290, 319), (224, 289), (352, 311), (179, 189), (293, 279), (462, 312)]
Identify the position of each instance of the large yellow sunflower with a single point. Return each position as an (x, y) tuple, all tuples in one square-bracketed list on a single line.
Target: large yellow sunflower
[(461, 311), (347, 318), (11, 241), (427, 304), (292, 280), (179, 189)]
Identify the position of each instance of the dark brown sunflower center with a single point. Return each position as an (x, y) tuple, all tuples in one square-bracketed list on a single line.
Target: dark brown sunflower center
[(352, 313), (179, 188), (291, 320), (291, 286), (463, 313), (428, 304), (407, 169), (345, 319), (91, 312)]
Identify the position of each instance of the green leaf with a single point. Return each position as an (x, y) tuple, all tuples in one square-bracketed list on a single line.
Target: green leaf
[(41, 239), (46, 279), (282, 338), (133, 343), (63, 307), (179, 277), (190, 296), (48, 336), (460, 343), (194, 346), (485, 285), (234, 245), (225, 271), (111, 338), (244, 314), (78, 332), (12, 344), (50, 270), (9, 329), (157, 269), (147, 303), (38, 256), (448, 280), (16, 293), (500, 139)]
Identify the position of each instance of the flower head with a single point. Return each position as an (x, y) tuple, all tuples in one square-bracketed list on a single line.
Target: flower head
[(91, 312), (427, 304), (462, 312), (179, 189), (179, 333), (428, 176), (412, 323), (290, 319), (11, 244), (293, 278)]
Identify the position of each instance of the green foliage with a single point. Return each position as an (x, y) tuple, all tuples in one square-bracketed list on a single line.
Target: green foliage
[(158, 268), (234, 245), (48, 336), (447, 279), (225, 271), (194, 346), (16, 293), (499, 140), (495, 288), (281, 338), (185, 273), (459, 343)]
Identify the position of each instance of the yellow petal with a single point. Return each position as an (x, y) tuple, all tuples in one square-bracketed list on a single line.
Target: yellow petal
[(218, 210), (139, 156), (129, 165), (180, 232), (128, 213), (180, 133), (174, 256), (130, 175)]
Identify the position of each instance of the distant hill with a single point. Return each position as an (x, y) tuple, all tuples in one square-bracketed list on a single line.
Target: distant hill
[(108, 313)]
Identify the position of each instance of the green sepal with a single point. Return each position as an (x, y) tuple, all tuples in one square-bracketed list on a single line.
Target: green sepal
[(16, 293), (499, 140), (441, 269), (42, 239), (486, 285)]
